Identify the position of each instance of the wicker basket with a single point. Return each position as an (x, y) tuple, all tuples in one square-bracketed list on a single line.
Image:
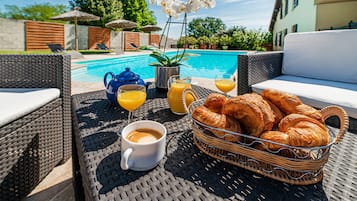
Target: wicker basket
[(293, 165)]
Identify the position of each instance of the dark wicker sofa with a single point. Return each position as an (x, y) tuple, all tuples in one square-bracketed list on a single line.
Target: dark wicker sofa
[(31, 146)]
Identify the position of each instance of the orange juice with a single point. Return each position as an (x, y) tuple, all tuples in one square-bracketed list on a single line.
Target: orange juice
[(174, 97), (225, 85), (131, 100)]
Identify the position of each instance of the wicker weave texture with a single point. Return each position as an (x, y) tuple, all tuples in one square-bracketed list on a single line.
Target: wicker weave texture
[(185, 173), (34, 144)]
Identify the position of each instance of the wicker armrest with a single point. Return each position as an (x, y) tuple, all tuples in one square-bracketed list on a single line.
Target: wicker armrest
[(41, 71), (257, 67)]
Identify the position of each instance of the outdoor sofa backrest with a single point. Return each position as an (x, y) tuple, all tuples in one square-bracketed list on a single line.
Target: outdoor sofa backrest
[(327, 55)]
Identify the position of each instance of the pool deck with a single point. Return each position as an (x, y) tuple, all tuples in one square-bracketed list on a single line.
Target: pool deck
[(57, 186)]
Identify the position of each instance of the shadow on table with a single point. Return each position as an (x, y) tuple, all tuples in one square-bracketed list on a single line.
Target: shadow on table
[(99, 141), (110, 175), (228, 181)]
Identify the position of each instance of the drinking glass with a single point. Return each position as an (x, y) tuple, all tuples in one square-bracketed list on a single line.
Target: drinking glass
[(225, 82), (131, 97)]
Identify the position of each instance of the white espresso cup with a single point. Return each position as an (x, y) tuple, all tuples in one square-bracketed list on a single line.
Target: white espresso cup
[(142, 156)]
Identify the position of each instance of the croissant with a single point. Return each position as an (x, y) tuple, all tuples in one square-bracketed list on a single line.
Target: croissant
[(290, 104), (308, 111), (275, 136), (296, 130), (206, 116), (278, 114), (252, 111), (304, 131), (215, 101), (285, 101)]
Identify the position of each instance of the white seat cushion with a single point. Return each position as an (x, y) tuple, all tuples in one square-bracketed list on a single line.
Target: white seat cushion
[(16, 103), (327, 55), (314, 92)]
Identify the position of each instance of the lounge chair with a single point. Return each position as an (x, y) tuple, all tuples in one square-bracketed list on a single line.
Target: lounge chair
[(102, 46), (57, 48), (319, 67), (134, 46), (35, 120)]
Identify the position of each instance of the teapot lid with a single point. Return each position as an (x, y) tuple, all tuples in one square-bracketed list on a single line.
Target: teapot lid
[(127, 75)]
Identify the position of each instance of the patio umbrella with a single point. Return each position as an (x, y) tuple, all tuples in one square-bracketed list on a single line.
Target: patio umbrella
[(75, 16), (121, 24), (150, 28)]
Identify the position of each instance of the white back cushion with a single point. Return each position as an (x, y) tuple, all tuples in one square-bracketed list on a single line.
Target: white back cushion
[(328, 55)]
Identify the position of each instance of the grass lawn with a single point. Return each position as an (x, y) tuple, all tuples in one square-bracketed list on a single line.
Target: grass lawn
[(25, 52), (49, 52)]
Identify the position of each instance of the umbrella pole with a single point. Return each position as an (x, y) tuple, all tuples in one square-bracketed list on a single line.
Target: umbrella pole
[(76, 33)]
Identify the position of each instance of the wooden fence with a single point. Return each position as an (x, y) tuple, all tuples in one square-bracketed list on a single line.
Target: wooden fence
[(40, 34), (98, 35), (131, 37)]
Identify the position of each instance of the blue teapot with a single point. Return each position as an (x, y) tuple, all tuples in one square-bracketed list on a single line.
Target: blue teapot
[(125, 77)]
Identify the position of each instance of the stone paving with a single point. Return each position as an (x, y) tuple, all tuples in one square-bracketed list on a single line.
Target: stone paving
[(57, 186)]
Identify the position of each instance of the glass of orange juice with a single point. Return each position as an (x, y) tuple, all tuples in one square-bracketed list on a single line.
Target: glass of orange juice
[(176, 86), (131, 97), (225, 82)]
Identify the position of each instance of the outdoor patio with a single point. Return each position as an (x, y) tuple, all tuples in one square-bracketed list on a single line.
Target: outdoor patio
[(277, 122)]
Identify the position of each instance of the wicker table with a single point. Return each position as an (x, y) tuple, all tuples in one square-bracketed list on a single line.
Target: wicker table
[(185, 173)]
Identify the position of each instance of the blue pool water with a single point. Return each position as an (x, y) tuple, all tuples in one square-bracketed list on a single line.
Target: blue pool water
[(207, 64)]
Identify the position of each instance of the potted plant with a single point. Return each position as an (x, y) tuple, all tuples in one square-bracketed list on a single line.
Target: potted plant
[(224, 41), (203, 40), (214, 42), (192, 42), (166, 66)]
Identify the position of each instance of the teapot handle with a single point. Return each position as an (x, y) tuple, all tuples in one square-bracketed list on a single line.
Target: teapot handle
[(105, 78)]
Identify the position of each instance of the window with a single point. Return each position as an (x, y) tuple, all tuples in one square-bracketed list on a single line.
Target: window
[(294, 28), (295, 3), (286, 7), (280, 38), (276, 40), (285, 32), (281, 12)]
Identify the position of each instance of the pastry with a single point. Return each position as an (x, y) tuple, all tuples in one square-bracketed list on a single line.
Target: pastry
[(215, 101), (284, 101), (252, 111), (308, 111), (304, 131), (275, 136), (278, 114), (206, 116)]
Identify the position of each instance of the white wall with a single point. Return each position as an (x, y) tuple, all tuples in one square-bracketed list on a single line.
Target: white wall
[(304, 15)]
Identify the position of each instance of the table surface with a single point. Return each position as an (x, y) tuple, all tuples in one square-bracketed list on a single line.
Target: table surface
[(185, 173)]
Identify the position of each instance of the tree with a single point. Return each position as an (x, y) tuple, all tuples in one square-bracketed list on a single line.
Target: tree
[(209, 27), (137, 11), (38, 12), (107, 10)]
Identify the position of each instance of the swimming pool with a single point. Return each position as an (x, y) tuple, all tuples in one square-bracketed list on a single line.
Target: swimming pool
[(206, 65)]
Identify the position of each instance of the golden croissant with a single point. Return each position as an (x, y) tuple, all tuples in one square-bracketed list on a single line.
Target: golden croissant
[(298, 130), (252, 111), (206, 116)]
